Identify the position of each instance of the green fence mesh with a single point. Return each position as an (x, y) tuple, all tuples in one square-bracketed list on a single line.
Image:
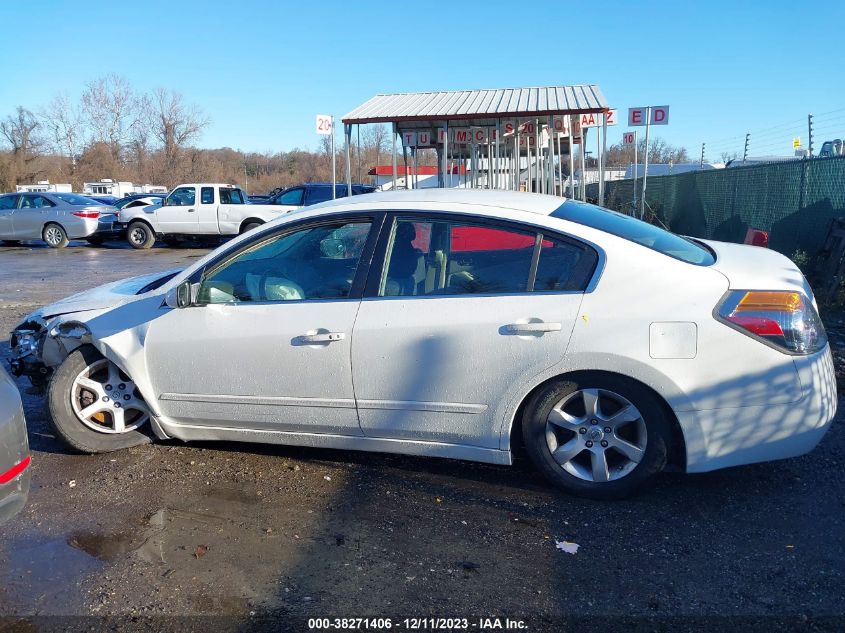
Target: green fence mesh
[(795, 201)]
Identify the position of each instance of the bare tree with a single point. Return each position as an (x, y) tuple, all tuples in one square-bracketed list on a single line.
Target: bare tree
[(111, 110), (173, 123), (20, 131), (63, 121)]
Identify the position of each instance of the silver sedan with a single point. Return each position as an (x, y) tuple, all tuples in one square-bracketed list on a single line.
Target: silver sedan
[(55, 218), (14, 450)]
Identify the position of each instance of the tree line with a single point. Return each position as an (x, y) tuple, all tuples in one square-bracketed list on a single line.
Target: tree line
[(112, 130)]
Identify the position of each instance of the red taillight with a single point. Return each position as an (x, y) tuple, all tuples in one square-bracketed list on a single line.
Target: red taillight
[(787, 320), (15, 470), (92, 215)]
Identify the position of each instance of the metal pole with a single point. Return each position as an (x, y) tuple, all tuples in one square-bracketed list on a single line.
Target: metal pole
[(583, 178), (745, 151), (358, 151), (570, 134), (334, 165), (603, 158), (701, 161), (810, 132), (636, 169), (445, 166), (645, 162), (348, 130), (518, 152), (559, 173), (550, 171), (498, 158), (405, 163), (538, 161), (395, 132)]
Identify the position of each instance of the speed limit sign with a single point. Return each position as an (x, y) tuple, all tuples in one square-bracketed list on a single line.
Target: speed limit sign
[(324, 124), (628, 138)]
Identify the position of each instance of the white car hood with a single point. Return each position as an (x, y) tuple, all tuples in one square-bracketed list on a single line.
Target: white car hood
[(103, 297)]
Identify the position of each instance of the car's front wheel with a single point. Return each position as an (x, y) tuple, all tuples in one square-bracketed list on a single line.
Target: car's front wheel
[(94, 406), (596, 435), (140, 235)]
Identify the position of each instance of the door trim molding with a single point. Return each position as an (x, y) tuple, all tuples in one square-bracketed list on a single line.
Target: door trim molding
[(412, 405), (274, 401)]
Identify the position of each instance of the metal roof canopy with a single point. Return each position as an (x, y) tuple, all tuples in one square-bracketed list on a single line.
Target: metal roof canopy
[(477, 107)]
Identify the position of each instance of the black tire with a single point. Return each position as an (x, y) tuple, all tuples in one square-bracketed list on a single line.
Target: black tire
[(65, 422), (249, 226), (95, 241), (140, 235), (658, 435), (54, 235)]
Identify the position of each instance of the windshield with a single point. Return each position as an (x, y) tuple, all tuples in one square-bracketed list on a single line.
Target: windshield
[(637, 231), (75, 199)]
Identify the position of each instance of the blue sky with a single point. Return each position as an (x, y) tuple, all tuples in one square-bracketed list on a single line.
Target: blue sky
[(262, 70)]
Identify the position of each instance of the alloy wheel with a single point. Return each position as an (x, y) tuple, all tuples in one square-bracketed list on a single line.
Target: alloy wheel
[(106, 400), (596, 435), (53, 235)]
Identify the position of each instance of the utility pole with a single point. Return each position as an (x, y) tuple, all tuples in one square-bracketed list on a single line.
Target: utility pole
[(810, 132), (701, 162), (745, 151)]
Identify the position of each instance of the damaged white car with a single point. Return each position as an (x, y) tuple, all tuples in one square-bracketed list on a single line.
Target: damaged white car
[(452, 323)]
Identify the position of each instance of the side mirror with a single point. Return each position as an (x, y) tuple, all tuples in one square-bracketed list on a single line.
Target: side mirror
[(180, 296)]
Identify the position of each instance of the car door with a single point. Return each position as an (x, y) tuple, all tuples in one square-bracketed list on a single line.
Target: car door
[(231, 212), (461, 315), (31, 216), (207, 220), (291, 200), (179, 212), (7, 211), (267, 344)]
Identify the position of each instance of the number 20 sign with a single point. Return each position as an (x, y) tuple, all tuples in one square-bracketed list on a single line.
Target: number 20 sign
[(324, 124)]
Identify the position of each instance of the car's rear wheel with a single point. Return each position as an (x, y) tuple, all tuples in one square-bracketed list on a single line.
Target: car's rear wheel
[(249, 226), (596, 435), (94, 406), (55, 236), (140, 235)]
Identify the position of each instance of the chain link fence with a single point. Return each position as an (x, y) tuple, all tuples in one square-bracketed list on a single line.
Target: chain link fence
[(794, 201)]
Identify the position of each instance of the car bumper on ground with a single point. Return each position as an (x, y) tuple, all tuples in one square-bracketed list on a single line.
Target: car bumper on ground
[(14, 450), (747, 435)]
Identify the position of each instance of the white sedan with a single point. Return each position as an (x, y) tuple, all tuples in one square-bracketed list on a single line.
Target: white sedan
[(461, 324)]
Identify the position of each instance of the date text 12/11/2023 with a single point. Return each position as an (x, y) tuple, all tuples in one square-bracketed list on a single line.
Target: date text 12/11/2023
[(417, 624)]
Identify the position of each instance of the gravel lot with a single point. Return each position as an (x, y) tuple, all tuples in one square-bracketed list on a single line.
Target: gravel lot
[(247, 531)]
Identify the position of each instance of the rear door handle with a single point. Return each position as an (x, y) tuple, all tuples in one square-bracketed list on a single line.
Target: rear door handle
[(531, 328), (190, 210), (325, 337)]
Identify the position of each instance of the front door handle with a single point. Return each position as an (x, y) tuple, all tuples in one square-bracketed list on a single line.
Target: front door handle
[(531, 328), (324, 337), (190, 210)]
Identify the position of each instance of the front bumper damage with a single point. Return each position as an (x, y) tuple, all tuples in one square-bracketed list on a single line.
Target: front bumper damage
[(38, 346)]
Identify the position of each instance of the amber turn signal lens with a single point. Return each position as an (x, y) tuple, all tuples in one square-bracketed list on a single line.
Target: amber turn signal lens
[(755, 301)]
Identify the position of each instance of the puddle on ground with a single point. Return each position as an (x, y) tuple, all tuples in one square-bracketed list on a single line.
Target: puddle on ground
[(104, 547), (41, 576)]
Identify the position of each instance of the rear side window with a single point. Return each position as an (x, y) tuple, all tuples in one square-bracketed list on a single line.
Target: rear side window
[(316, 195), (456, 257), (634, 230), (8, 202), (292, 197), (231, 196), (207, 195)]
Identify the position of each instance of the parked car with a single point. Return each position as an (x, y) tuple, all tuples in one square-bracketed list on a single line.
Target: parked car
[(453, 323), (14, 450), (202, 209), (314, 193), (140, 200), (55, 218), (107, 200), (258, 198)]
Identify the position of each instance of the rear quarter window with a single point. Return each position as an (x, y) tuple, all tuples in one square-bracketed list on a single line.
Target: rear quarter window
[(636, 231)]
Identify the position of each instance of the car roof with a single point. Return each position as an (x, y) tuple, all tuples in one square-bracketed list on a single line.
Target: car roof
[(496, 198)]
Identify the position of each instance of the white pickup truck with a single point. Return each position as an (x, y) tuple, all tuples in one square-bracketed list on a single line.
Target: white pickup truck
[(199, 209)]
